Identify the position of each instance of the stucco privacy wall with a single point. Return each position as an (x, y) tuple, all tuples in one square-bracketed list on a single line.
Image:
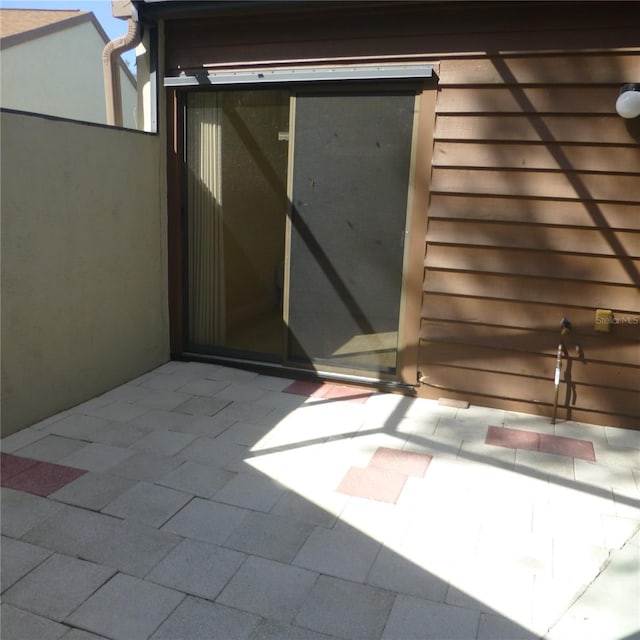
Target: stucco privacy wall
[(83, 284)]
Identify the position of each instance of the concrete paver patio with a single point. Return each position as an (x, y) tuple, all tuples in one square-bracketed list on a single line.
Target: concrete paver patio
[(200, 501)]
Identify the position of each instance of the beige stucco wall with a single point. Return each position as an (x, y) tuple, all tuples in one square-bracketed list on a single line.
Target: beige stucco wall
[(60, 74), (83, 271)]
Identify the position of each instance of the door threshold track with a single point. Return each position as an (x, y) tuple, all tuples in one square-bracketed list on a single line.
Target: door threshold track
[(279, 369)]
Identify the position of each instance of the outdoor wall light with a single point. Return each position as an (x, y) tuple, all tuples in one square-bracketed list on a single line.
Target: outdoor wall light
[(628, 102)]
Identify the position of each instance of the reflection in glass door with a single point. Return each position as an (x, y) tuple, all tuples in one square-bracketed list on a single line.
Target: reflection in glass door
[(339, 226), (236, 165), (351, 161)]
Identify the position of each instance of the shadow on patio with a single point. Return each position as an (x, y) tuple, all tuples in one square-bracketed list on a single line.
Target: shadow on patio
[(219, 503)]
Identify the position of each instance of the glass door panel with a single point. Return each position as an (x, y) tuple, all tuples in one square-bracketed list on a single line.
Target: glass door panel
[(236, 166), (350, 181)]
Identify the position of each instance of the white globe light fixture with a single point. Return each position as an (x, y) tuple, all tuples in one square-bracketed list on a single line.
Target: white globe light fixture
[(628, 102)]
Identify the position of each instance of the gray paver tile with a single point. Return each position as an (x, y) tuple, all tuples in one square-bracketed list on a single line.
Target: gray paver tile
[(92, 490), (147, 503), (125, 545), (169, 381), (215, 453), (133, 548), (244, 433), (344, 554), (251, 491), (505, 590), (199, 568), (199, 619), (246, 411), (415, 619), (18, 558), (197, 479), (625, 507), (119, 410), (614, 457), (618, 530), (619, 588), (96, 457), (204, 387), (452, 430), (205, 520), (545, 463), (22, 625), (346, 609), (141, 607), (622, 437), (210, 426), (21, 512), (320, 509), (619, 478), (71, 530), (166, 443), (117, 434), (269, 536), (494, 627), (21, 439), (79, 634), (577, 559), (42, 424), (271, 630), (394, 572), (163, 400), (268, 588), (277, 400), (51, 448), (145, 466), (240, 392), (77, 426), (488, 454), (124, 393), (57, 586), (220, 372), (202, 406), (271, 383), (159, 420)]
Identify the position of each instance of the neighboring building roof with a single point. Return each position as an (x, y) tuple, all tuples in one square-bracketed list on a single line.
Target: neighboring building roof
[(14, 21), (19, 25), (23, 25)]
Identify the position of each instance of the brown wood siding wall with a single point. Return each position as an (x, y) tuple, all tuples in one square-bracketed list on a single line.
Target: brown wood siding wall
[(534, 216), (534, 203)]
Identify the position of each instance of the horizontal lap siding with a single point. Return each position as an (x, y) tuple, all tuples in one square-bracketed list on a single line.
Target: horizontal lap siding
[(534, 203), (534, 216)]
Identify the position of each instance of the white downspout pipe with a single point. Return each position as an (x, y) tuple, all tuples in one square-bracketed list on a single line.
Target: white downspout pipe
[(111, 69)]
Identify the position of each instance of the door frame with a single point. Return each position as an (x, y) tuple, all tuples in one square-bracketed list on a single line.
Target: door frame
[(406, 375)]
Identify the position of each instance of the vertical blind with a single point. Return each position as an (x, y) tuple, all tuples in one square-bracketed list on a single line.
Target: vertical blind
[(205, 231)]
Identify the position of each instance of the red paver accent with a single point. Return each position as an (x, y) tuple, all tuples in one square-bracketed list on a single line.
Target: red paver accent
[(43, 478), (353, 394), (407, 463), (513, 438), (558, 445), (572, 447), (329, 391), (303, 388), (373, 483), (13, 465)]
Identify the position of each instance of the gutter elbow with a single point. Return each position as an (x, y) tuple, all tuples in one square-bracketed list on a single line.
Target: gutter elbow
[(112, 91)]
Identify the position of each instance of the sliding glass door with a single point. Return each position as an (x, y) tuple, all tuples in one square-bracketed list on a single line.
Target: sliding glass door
[(236, 208), (296, 206), (351, 160)]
